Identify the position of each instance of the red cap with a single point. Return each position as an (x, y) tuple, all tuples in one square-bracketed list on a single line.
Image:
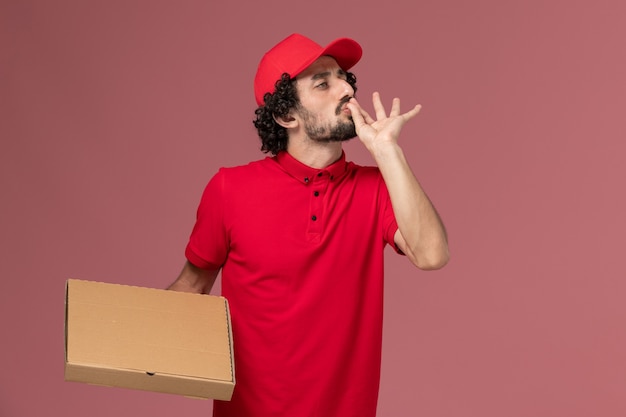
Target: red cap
[(294, 54)]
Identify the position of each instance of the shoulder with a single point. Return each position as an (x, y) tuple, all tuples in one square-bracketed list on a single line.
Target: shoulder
[(237, 182), (246, 172), (243, 179), (363, 172), (261, 164)]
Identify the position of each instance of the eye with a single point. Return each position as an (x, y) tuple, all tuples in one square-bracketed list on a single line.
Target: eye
[(323, 84)]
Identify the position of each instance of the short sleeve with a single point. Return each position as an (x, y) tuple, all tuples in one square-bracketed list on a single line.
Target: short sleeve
[(208, 244), (390, 226)]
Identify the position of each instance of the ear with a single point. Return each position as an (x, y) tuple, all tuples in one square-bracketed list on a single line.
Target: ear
[(287, 121)]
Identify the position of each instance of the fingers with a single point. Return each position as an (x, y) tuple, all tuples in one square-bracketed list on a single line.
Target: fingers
[(412, 113), (379, 109), (357, 117), (395, 109), (357, 110)]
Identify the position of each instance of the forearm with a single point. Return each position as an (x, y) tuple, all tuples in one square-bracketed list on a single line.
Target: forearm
[(422, 235), (194, 279)]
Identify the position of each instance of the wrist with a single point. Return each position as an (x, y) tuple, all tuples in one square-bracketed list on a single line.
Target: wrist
[(385, 151)]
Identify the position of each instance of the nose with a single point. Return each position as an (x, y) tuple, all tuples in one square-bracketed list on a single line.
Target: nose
[(345, 88)]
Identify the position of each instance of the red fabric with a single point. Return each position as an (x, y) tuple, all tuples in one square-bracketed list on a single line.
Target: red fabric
[(305, 295)]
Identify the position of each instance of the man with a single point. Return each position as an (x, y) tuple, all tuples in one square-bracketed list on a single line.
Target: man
[(299, 238)]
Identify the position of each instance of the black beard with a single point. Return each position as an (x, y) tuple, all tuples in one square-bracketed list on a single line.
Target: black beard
[(341, 132)]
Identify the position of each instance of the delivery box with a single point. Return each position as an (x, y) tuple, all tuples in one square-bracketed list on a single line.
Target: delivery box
[(148, 339)]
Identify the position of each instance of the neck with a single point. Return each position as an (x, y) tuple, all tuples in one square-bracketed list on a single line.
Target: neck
[(316, 154)]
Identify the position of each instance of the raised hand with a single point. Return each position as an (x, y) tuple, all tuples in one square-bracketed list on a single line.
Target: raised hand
[(385, 129)]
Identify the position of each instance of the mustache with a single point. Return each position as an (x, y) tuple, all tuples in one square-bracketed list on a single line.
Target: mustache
[(341, 104)]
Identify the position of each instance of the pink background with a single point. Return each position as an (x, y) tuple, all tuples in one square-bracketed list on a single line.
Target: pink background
[(114, 114)]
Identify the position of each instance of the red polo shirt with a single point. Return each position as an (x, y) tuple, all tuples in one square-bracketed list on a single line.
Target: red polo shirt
[(301, 252)]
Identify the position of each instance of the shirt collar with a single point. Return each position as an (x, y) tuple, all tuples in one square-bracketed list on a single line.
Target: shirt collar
[(306, 174)]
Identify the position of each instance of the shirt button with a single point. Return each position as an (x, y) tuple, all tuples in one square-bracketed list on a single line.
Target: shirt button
[(313, 218), (332, 177), (306, 179), (319, 174), (316, 193)]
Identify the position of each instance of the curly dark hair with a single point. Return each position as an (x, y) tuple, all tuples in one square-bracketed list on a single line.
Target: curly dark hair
[(273, 136)]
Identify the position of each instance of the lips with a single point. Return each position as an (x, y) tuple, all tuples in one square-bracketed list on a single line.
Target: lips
[(342, 107)]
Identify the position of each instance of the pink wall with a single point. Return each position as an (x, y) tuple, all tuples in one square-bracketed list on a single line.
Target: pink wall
[(114, 114)]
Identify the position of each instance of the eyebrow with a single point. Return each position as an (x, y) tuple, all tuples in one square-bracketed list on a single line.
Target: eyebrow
[(321, 75), (326, 74)]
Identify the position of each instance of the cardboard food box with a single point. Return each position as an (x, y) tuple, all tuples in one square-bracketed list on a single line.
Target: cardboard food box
[(148, 339)]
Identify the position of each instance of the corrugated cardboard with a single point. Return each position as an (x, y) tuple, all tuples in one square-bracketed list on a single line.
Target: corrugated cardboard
[(148, 339)]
